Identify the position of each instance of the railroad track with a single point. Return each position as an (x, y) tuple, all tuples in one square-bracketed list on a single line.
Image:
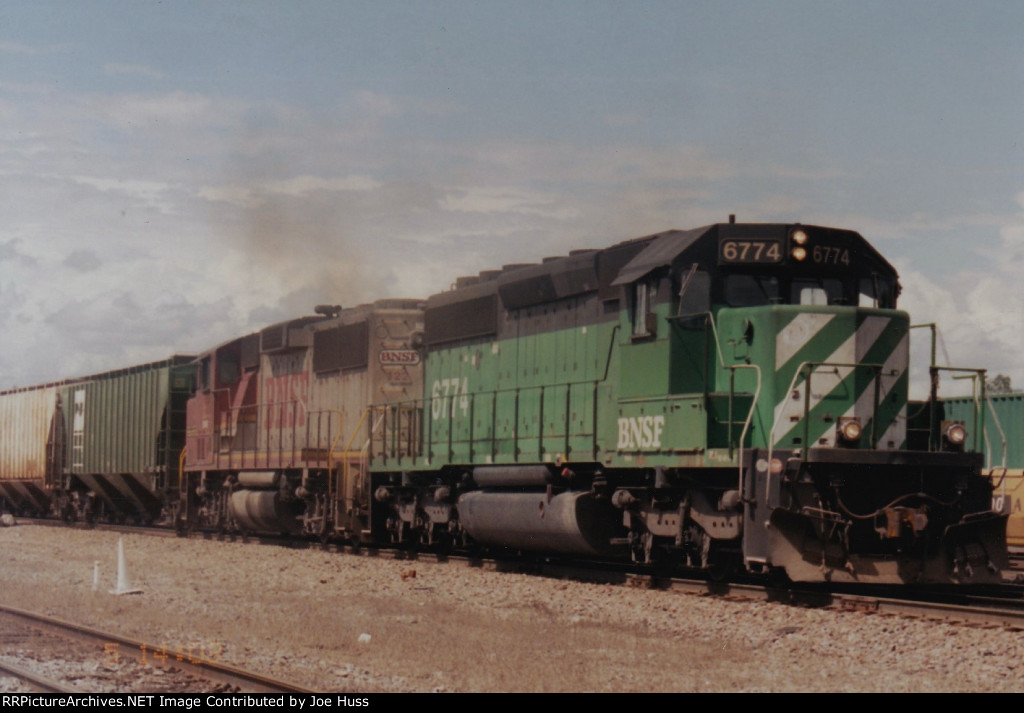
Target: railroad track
[(34, 681), (996, 606), (106, 655), (999, 605)]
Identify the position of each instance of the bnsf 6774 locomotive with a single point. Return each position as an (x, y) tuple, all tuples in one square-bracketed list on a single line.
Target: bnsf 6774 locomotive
[(734, 394)]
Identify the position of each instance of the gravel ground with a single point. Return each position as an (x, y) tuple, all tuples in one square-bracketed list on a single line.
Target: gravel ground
[(364, 624)]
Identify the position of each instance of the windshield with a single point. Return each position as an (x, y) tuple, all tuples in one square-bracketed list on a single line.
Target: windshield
[(748, 290)]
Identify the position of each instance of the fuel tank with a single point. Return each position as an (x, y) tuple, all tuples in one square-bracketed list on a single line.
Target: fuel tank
[(570, 522), (263, 511)]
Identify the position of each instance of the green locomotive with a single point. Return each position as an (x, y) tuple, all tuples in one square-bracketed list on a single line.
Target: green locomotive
[(733, 395)]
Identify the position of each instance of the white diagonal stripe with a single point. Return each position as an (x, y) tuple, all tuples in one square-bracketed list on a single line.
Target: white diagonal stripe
[(850, 351), (896, 362), (797, 333)]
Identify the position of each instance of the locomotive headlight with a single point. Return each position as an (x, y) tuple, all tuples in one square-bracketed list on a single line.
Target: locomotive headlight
[(798, 253), (799, 237), (849, 429), (954, 433)]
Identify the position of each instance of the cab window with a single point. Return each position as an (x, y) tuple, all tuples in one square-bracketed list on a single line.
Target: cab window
[(812, 291), (643, 304), (752, 290), (875, 292)]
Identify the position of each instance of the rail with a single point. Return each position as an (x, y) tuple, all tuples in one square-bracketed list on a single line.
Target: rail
[(202, 664)]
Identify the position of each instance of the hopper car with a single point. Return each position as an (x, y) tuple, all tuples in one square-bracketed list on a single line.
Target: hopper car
[(104, 446)]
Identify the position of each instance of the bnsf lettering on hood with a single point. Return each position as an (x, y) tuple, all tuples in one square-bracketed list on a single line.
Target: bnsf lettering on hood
[(641, 432)]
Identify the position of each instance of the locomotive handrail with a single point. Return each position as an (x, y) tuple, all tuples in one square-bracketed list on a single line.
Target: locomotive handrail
[(181, 468), (348, 446), (806, 414), (984, 431), (368, 444), (732, 367), (709, 318), (330, 456), (933, 394), (746, 424), (978, 375), (1002, 433)]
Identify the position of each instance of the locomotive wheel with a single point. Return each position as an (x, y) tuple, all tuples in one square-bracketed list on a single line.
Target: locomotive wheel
[(719, 560), (325, 532), (724, 566)]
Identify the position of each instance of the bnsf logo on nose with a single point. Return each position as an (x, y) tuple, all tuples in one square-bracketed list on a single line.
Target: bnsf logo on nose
[(640, 432)]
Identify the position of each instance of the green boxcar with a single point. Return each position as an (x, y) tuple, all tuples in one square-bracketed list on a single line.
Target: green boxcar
[(999, 428)]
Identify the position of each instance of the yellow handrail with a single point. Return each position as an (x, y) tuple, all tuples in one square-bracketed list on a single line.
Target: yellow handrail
[(181, 468), (344, 463)]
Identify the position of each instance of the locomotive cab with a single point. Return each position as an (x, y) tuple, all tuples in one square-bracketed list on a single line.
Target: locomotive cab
[(803, 360)]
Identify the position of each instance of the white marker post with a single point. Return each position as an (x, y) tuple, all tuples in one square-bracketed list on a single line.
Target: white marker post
[(123, 586)]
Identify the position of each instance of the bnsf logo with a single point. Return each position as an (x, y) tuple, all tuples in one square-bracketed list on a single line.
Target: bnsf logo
[(643, 432), (399, 356)]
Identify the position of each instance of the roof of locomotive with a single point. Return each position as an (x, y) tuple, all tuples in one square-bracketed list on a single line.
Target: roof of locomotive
[(347, 315), (627, 261)]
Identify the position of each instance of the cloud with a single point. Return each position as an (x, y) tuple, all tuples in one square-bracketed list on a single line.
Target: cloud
[(177, 108), (139, 70), (615, 163), (26, 49), (626, 120), (1011, 233), (254, 193), (506, 199), (979, 319), (9, 252), (377, 104), (83, 261), (260, 210), (147, 193), (35, 88)]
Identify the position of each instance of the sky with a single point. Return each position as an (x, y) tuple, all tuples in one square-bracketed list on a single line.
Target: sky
[(174, 174)]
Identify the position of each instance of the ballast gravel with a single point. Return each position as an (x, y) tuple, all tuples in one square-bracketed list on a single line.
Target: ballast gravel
[(365, 624)]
